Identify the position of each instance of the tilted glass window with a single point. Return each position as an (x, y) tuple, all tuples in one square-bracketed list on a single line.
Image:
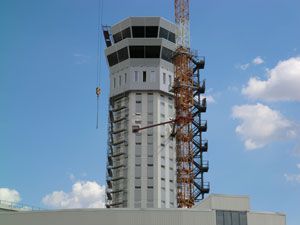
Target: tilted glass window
[(137, 51), (122, 35), (163, 33), (117, 37), (144, 32), (167, 54), (151, 32), (112, 59), (138, 31), (168, 35), (152, 51), (144, 51), (126, 33), (171, 37), (123, 54)]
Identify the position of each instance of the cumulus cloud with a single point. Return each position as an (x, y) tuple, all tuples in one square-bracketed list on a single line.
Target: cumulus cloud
[(9, 195), (210, 99), (282, 83), (84, 194), (258, 60), (244, 66), (233, 89), (292, 177), (261, 125), (81, 58), (296, 150)]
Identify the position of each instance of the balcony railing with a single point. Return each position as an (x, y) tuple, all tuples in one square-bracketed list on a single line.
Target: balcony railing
[(15, 206)]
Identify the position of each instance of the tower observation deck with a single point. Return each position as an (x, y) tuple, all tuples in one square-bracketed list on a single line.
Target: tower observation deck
[(142, 166)]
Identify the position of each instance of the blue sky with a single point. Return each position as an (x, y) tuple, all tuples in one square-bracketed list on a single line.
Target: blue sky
[(48, 64)]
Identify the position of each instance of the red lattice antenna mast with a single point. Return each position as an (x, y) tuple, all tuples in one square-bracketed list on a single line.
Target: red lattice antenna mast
[(183, 91)]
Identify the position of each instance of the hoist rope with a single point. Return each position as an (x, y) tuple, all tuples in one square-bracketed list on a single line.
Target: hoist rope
[(99, 41), (99, 58)]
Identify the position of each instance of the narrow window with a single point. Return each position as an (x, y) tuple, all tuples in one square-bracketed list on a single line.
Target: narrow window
[(144, 76), (114, 82), (164, 78), (125, 78), (120, 80), (138, 107), (152, 76), (171, 37), (136, 76), (170, 80)]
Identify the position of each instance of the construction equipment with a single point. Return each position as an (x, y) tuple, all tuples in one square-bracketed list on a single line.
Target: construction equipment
[(187, 125), (183, 91)]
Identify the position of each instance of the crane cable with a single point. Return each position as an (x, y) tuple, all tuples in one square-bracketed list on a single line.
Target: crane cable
[(99, 51)]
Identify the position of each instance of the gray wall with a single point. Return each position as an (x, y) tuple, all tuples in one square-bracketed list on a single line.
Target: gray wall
[(130, 217), (109, 217)]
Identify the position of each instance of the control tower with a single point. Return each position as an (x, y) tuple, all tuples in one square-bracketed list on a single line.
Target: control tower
[(141, 167)]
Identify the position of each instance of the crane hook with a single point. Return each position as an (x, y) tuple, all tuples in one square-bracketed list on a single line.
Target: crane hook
[(98, 91)]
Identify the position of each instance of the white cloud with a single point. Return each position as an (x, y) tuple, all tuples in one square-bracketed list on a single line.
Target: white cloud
[(296, 150), (233, 88), (261, 125), (210, 99), (258, 60), (81, 58), (72, 177), (9, 195), (292, 177), (282, 84), (244, 66), (84, 194)]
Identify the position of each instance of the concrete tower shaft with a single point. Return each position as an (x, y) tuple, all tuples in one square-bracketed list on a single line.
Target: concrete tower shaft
[(141, 167)]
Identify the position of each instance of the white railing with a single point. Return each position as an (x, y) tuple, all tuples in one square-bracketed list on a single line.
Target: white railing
[(17, 206)]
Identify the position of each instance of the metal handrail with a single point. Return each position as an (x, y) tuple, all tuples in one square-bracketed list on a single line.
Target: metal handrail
[(18, 206)]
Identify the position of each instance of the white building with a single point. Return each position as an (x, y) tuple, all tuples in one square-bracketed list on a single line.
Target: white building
[(214, 210), (141, 167)]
